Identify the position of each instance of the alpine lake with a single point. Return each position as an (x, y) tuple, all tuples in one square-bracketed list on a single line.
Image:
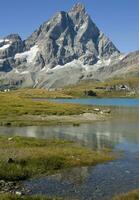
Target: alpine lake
[(100, 182)]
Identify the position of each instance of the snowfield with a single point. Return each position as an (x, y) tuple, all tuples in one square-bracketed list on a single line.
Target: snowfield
[(28, 55), (6, 46)]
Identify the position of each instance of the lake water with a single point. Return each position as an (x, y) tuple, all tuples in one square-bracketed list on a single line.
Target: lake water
[(103, 181), (101, 101)]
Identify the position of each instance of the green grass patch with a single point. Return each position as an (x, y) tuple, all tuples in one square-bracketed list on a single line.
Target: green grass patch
[(16, 110), (22, 158), (133, 195), (100, 88), (78, 90)]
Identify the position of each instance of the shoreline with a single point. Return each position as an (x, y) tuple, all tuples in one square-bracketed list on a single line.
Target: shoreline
[(48, 120), (16, 110), (52, 155)]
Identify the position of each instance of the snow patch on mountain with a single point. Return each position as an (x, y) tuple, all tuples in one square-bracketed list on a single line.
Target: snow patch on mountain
[(25, 72), (29, 56), (75, 63), (6, 46), (5, 41), (1, 40)]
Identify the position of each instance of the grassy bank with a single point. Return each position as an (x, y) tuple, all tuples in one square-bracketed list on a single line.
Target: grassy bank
[(14, 197), (17, 110), (101, 89), (134, 195), (104, 89), (41, 93), (23, 158)]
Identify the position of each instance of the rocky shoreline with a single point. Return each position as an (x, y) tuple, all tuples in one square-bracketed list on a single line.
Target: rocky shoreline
[(11, 187)]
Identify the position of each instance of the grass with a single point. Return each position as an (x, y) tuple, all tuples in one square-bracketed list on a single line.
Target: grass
[(14, 197), (41, 93), (133, 195), (36, 157), (16, 110), (79, 89)]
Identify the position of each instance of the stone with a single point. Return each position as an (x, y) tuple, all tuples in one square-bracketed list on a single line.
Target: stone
[(8, 187), (10, 139), (18, 193), (107, 111), (10, 161), (96, 109)]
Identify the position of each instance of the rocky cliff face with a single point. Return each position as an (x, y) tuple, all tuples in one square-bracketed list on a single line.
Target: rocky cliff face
[(71, 36), (9, 46), (64, 50)]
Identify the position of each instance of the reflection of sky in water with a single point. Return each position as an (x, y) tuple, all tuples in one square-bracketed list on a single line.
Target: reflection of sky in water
[(122, 131), (97, 183), (104, 180)]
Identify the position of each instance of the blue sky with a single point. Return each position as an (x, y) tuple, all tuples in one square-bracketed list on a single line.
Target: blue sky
[(118, 19)]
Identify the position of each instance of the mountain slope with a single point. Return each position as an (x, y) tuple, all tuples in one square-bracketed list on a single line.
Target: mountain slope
[(64, 50)]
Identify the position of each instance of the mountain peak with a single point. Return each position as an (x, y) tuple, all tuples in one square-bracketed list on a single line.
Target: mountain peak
[(78, 7), (13, 36), (69, 41)]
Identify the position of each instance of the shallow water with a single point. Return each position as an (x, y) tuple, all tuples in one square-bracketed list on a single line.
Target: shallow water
[(100, 182), (104, 180)]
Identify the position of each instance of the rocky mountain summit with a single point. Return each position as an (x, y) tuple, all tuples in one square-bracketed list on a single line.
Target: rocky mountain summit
[(64, 50)]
